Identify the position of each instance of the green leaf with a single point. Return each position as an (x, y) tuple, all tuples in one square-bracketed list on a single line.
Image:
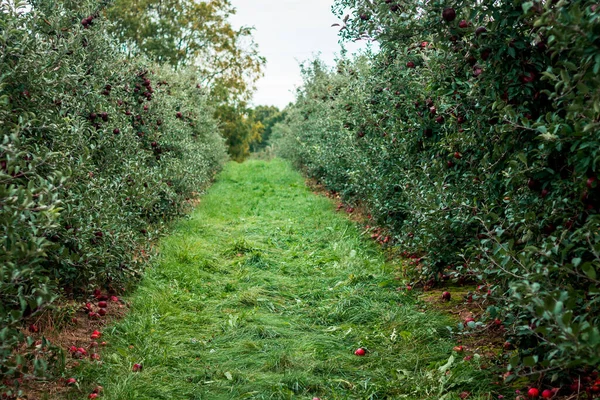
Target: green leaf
[(527, 6), (589, 270), (530, 361)]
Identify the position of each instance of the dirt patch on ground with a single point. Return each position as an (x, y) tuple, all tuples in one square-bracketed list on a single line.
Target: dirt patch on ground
[(70, 327)]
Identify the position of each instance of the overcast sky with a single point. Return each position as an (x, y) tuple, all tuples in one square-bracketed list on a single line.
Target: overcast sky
[(288, 32)]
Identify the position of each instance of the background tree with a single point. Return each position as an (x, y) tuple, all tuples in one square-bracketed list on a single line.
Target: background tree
[(198, 34), (268, 116), (240, 129), (187, 32)]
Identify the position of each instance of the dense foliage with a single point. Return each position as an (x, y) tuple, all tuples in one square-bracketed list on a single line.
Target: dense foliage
[(97, 154), (473, 136)]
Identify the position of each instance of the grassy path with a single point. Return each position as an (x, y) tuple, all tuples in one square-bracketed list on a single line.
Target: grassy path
[(264, 293)]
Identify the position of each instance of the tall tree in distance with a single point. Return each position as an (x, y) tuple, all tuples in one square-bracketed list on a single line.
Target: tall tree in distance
[(269, 116), (240, 130), (191, 32)]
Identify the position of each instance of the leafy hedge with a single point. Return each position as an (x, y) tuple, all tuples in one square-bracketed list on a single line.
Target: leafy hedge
[(473, 135), (97, 153)]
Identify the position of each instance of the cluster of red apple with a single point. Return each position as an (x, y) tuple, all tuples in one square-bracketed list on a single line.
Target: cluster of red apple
[(100, 310), (348, 209), (80, 352), (378, 235), (95, 392), (88, 21)]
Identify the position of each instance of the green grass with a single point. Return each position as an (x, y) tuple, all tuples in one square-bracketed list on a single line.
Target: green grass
[(264, 292)]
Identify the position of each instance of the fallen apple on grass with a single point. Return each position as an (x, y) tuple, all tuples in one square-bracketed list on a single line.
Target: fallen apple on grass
[(360, 352)]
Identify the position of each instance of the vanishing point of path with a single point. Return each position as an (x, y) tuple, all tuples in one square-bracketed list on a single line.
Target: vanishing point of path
[(265, 292)]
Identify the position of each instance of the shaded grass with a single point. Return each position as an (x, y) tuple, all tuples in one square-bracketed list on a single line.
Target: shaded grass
[(264, 292)]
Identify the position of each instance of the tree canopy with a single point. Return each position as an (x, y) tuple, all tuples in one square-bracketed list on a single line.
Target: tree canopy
[(188, 32), (269, 116)]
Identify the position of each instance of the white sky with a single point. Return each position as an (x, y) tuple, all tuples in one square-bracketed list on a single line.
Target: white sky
[(288, 32)]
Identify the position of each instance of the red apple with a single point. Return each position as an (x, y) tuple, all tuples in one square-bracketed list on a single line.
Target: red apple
[(410, 64), (102, 304), (71, 381), (590, 181), (446, 296), (528, 77), (547, 394), (93, 396), (480, 30), (102, 312), (457, 155), (449, 14), (533, 393), (463, 24), (532, 183), (137, 367), (360, 352), (458, 349)]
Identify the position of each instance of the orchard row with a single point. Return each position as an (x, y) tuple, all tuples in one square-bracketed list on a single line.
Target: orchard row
[(98, 154), (473, 137)]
